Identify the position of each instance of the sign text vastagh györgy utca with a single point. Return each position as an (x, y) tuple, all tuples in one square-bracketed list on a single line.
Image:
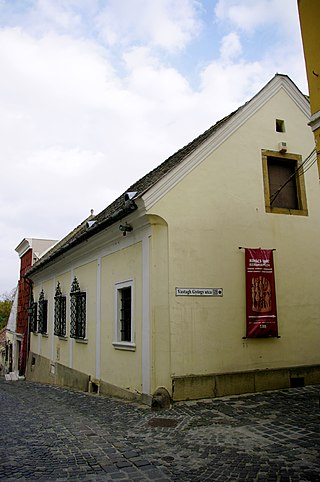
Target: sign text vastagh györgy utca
[(199, 291)]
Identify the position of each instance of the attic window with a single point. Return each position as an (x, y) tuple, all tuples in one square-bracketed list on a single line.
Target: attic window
[(284, 186), (280, 127)]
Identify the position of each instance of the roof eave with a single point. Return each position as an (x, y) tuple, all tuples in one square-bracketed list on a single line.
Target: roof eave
[(89, 233)]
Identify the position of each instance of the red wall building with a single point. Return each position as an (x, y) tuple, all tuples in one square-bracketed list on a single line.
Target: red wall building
[(29, 250), (22, 313)]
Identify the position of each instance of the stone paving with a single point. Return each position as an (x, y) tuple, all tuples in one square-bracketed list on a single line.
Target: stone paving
[(55, 434)]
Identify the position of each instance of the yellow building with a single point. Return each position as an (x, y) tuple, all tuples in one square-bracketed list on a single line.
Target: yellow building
[(151, 292), (309, 12)]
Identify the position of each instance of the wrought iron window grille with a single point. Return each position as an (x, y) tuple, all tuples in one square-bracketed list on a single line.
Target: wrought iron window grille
[(125, 314), (33, 316), (60, 326), (78, 311), (42, 314)]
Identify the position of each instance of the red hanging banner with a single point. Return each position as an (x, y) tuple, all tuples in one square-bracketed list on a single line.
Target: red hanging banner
[(260, 294)]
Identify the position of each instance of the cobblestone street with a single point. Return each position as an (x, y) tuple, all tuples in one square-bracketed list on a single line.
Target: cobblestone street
[(51, 433)]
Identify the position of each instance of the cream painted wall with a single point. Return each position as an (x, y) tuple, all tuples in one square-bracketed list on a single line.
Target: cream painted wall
[(105, 262), (121, 367), (82, 356), (218, 207)]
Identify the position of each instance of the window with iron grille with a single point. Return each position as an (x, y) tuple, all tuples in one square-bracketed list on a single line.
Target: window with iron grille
[(124, 323), (59, 313), (125, 313), (284, 185), (78, 311), (42, 314), (34, 317)]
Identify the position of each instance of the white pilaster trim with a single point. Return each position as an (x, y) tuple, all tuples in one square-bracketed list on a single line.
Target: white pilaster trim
[(98, 320), (145, 354)]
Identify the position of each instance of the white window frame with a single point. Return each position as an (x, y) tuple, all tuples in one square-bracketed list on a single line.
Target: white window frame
[(117, 343)]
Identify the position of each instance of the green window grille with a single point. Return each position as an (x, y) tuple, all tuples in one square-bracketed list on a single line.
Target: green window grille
[(42, 314), (78, 311), (59, 313)]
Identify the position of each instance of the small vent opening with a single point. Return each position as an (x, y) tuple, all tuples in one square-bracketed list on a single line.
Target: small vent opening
[(296, 382), (94, 386)]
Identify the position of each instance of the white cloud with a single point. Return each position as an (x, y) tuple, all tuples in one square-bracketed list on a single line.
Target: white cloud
[(68, 164), (58, 14), (249, 15), (268, 32), (72, 17), (53, 66), (230, 46), (235, 82), (168, 24), (149, 78), (245, 15)]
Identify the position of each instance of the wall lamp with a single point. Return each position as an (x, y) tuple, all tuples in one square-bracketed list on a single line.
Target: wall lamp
[(125, 228)]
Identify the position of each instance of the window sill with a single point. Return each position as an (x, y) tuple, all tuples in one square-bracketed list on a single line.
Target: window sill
[(295, 212), (124, 345), (61, 337), (46, 335), (84, 341)]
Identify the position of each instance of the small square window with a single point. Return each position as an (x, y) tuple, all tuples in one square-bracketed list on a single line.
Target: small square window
[(280, 127), (284, 186), (124, 319)]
